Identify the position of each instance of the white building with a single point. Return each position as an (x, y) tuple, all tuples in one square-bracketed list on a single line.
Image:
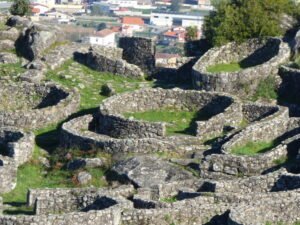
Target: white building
[(124, 3), (39, 8), (104, 37), (185, 20), (48, 3), (189, 23)]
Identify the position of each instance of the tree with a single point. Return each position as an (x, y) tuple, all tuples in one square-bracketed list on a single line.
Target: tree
[(175, 5), (20, 8), (238, 20), (101, 26), (191, 33)]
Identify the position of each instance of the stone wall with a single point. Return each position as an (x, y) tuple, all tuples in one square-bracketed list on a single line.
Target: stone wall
[(290, 85), (16, 148), (107, 62), (77, 133), (17, 144), (263, 57), (220, 108), (266, 129), (57, 201), (8, 174), (139, 51), (33, 106), (271, 210)]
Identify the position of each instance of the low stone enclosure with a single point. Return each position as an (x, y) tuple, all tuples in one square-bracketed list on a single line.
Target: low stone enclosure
[(16, 148), (33, 106), (126, 205), (258, 59), (114, 133), (110, 131)]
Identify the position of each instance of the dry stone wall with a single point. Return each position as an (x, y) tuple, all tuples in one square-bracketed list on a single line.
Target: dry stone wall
[(16, 148), (263, 57), (139, 51), (220, 108), (43, 104)]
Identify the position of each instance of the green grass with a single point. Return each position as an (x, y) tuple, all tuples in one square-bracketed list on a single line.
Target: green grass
[(177, 121), (230, 67), (11, 69), (91, 82), (169, 200), (253, 148), (266, 89), (281, 160)]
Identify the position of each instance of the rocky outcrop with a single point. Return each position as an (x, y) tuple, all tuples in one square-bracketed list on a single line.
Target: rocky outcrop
[(8, 58), (9, 34), (33, 42), (140, 168)]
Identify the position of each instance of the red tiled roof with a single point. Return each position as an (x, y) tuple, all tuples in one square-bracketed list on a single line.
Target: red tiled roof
[(104, 32), (171, 33), (133, 20), (35, 10)]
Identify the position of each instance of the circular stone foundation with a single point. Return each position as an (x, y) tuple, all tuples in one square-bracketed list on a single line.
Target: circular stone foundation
[(16, 148), (33, 106), (113, 132), (248, 63), (277, 135)]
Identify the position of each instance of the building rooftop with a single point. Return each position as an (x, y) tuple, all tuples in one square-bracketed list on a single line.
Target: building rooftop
[(133, 20)]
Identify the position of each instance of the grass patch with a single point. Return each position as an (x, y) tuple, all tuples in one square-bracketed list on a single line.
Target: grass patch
[(12, 70), (229, 67), (253, 148), (169, 199), (281, 160), (89, 82), (177, 121), (266, 89)]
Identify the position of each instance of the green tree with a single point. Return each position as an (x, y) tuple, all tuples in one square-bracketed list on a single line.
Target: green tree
[(20, 8), (238, 20), (175, 5), (191, 33), (101, 26)]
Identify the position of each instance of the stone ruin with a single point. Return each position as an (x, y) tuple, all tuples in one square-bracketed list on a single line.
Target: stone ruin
[(260, 57), (30, 106), (210, 184), (112, 132), (16, 148)]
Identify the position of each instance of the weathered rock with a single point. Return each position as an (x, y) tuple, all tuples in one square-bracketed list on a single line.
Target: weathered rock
[(34, 42), (84, 178), (85, 163), (10, 34), (33, 76), (18, 21), (7, 58), (36, 64), (6, 45), (150, 171)]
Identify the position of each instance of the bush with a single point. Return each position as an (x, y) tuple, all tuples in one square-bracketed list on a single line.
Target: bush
[(266, 89), (239, 20), (20, 8)]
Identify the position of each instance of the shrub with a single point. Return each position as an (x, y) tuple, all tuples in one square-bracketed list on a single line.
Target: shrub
[(266, 89), (20, 8), (239, 20)]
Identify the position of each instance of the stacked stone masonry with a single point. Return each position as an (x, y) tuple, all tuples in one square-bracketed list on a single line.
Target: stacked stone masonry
[(262, 58)]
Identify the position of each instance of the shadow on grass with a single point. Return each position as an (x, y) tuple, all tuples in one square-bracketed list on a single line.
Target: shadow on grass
[(50, 139), (20, 209)]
